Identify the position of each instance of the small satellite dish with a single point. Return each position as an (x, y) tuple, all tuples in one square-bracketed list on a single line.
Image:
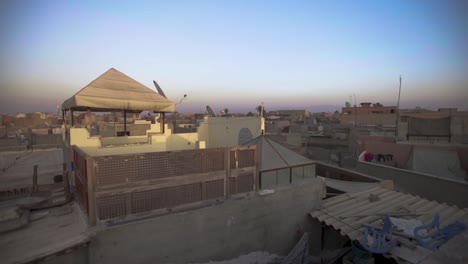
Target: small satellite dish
[(160, 91), (320, 128), (348, 104), (210, 111)]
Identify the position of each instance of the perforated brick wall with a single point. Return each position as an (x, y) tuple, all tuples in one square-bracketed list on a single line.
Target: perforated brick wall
[(111, 206), (120, 180), (158, 165)]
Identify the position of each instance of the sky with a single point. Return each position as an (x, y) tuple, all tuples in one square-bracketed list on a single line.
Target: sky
[(312, 55)]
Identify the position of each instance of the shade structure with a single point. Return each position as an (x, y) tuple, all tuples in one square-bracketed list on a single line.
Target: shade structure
[(275, 156), (114, 90)]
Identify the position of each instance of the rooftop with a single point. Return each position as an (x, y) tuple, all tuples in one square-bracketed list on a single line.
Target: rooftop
[(349, 212), (53, 231), (19, 166)]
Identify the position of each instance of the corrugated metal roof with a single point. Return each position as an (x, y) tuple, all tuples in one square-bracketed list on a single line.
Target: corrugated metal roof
[(348, 212), (348, 186)]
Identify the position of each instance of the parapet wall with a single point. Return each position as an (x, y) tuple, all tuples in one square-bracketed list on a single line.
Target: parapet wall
[(427, 186), (272, 222), (402, 152)]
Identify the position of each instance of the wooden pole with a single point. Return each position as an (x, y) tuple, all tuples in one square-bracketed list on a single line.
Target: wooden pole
[(91, 188), (162, 122), (35, 186), (355, 111), (125, 123), (227, 183)]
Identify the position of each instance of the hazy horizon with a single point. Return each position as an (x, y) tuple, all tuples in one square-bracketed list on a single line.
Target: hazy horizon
[(309, 55)]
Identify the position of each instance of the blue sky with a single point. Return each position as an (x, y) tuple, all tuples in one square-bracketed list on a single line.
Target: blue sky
[(237, 54)]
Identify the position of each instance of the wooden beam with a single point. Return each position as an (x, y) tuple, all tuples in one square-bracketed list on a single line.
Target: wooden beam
[(35, 185), (161, 183), (125, 123), (91, 196), (227, 190)]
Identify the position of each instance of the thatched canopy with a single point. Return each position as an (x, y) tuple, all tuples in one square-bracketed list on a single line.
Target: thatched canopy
[(114, 91)]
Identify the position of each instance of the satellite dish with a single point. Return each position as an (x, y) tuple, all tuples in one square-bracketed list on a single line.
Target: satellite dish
[(210, 111), (160, 91), (348, 104), (320, 128)]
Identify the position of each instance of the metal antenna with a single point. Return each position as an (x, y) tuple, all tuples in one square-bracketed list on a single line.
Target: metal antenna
[(181, 99), (355, 111), (399, 93), (398, 111)]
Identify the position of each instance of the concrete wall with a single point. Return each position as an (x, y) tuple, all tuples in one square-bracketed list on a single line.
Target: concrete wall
[(459, 128), (9, 142), (342, 174), (110, 130), (427, 186), (402, 152), (182, 141), (369, 119), (82, 138), (213, 132), (46, 139), (458, 125), (270, 222), (224, 131)]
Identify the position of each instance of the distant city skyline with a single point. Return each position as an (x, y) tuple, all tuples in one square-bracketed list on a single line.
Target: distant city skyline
[(309, 55)]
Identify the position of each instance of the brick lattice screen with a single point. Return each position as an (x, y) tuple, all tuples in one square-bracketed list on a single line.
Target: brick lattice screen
[(151, 166), (142, 183)]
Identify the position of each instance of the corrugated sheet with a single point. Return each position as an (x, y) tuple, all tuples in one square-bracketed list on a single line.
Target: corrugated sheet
[(348, 212), (348, 186)]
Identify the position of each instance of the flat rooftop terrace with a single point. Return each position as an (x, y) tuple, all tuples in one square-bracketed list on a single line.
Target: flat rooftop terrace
[(16, 167), (53, 231)]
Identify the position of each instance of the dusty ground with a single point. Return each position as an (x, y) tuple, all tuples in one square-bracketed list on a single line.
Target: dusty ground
[(257, 257), (49, 231)]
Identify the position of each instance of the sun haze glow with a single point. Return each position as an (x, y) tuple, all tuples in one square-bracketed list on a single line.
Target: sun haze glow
[(310, 54)]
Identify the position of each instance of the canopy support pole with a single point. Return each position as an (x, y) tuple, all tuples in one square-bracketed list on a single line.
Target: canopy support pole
[(162, 123), (125, 122)]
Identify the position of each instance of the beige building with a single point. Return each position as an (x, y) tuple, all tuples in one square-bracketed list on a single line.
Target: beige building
[(368, 114), (293, 115), (369, 108), (443, 126), (144, 136)]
